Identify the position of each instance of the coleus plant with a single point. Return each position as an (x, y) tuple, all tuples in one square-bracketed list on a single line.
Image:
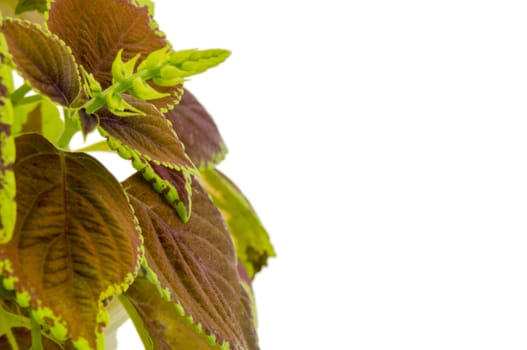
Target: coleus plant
[(176, 244)]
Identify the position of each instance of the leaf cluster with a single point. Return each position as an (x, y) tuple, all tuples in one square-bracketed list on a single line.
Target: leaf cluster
[(177, 244)]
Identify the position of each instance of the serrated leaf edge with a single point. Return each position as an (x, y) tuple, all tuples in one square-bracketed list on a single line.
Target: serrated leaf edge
[(7, 155), (177, 94), (217, 158), (123, 147), (43, 315), (165, 293), (51, 35), (158, 184), (211, 190)]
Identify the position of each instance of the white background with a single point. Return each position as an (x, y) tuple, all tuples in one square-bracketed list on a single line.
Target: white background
[(384, 145)]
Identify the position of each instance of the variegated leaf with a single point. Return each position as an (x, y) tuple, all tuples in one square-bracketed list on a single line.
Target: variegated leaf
[(75, 243)]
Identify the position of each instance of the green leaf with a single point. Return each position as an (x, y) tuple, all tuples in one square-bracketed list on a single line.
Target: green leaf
[(142, 90), (7, 151), (97, 29), (194, 265), (198, 132), (122, 70), (119, 107), (8, 9), (42, 117), (43, 60), (31, 5), (101, 146), (76, 242), (253, 246)]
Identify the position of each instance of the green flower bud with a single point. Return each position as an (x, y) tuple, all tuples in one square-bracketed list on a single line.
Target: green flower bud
[(155, 59)]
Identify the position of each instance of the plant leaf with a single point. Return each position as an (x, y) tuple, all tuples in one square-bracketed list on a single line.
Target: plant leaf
[(253, 246), (42, 117), (148, 3), (101, 146), (175, 93), (34, 120), (75, 243), (89, 122), (174, 185), (23, 339), (122, 70), (149, 135), (43, 60), (30, 5), (154, 149), (8, 8), (144, 91), (164, 323), (198, 132), (195, 263), (246, 282), (7, 151), (11, 318), (97, 29)]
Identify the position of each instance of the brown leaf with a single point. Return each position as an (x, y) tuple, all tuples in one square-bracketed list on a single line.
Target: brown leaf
[(75, 241), (149, 134), (97, 29), (43, 59), (197, 130), (196, 263), (167, 327), (34, 120)]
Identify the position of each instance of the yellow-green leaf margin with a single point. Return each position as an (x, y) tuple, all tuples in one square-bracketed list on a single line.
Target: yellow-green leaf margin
[(7, 150)]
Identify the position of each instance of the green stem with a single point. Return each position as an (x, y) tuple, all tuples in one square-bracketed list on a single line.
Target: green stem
[(99, 101), (138, 322), (11, 340), (36, 336), (19, 93), (8, 321), (71, 126), (12, 320), (27, 100)]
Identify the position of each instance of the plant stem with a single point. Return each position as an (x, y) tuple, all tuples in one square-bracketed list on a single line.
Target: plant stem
[(19, 93), (71, 126), (98, 102), (27, 99), (138, 322), (36, 336), (8, 321), (11, 340)]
